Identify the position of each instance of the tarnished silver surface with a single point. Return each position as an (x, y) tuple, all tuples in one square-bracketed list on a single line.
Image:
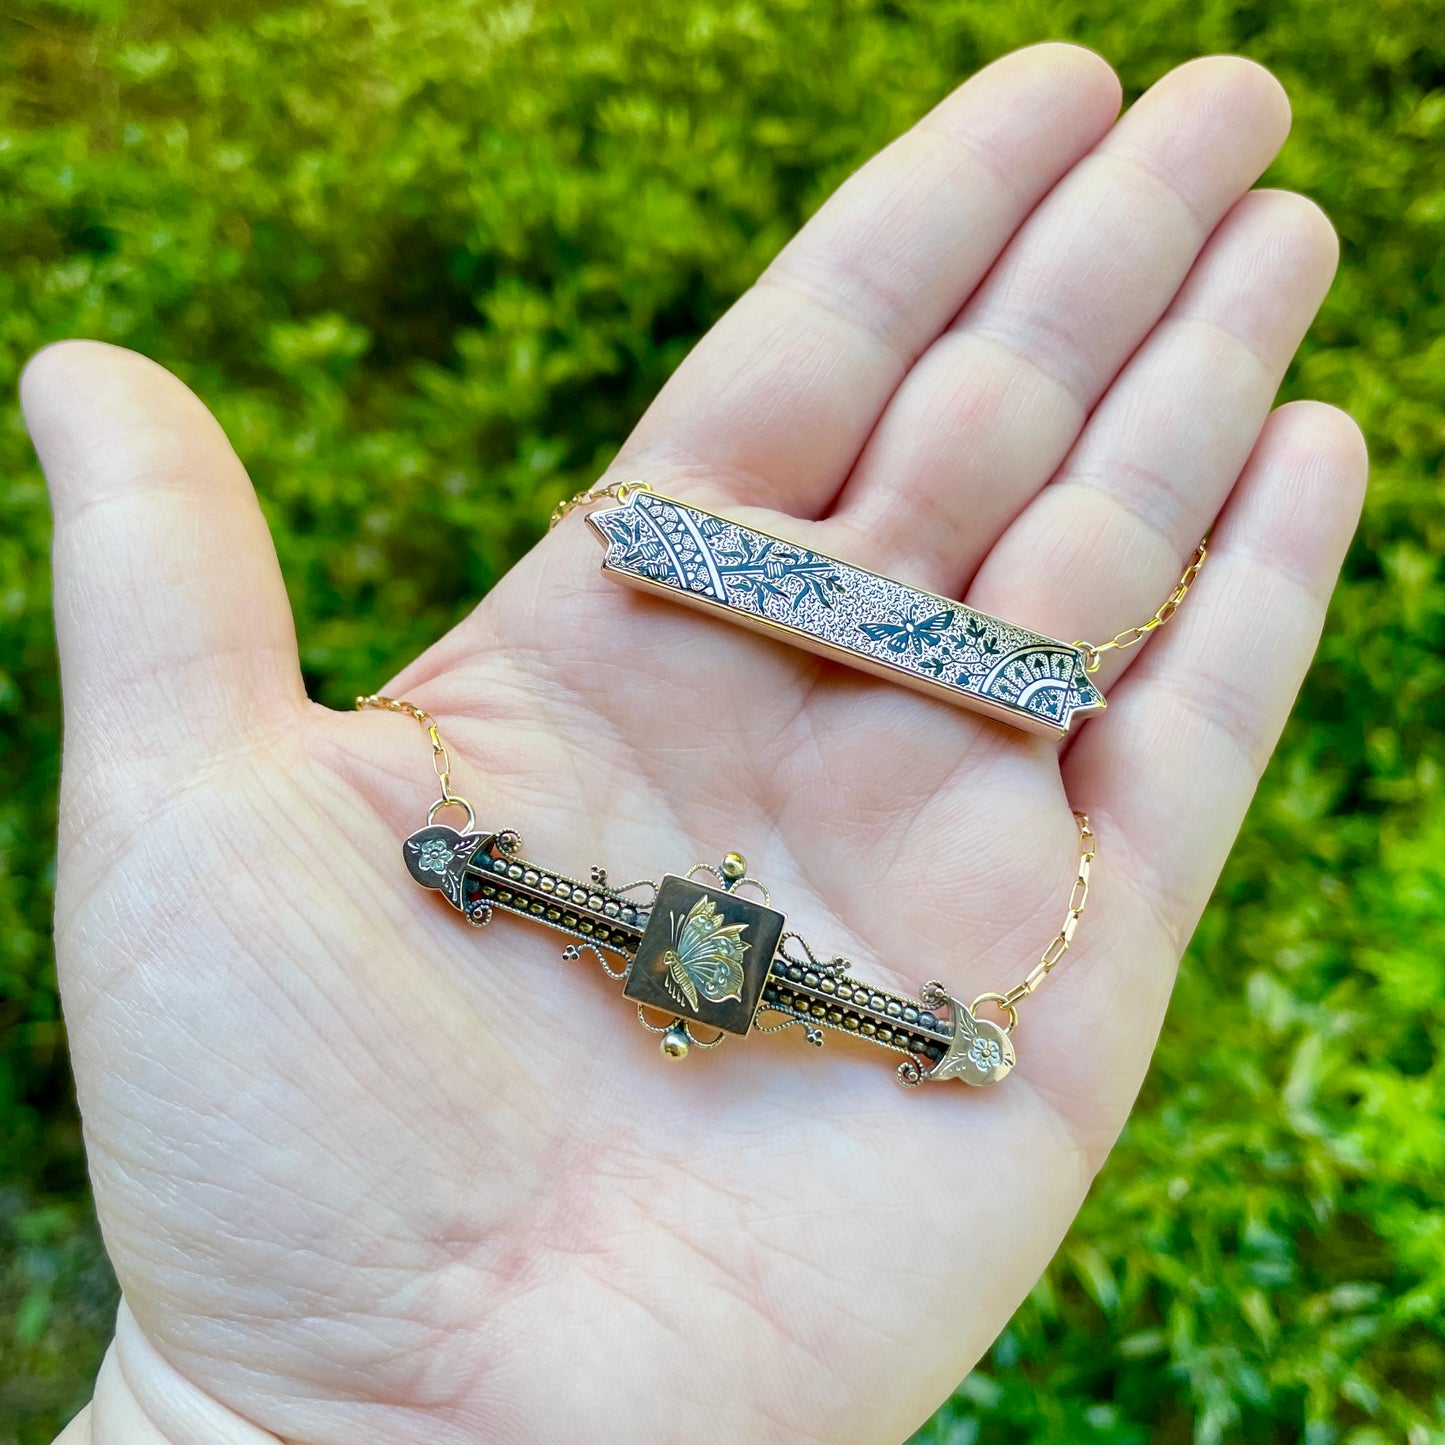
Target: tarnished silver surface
[(832, 608)]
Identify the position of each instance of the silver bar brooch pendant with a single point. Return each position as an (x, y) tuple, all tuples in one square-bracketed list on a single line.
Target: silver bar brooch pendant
[(924, 641)]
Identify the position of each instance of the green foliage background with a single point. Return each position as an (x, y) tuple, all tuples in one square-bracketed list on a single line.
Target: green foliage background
[(429, 260)]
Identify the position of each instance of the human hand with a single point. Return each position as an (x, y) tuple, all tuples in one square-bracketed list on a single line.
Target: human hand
[(368, 1174)]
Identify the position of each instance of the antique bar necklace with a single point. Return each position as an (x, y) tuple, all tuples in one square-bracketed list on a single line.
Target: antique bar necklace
[(919, 639), (702, 961), (705, 960)]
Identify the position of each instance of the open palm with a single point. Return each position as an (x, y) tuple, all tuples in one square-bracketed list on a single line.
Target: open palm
[(368, 1174)]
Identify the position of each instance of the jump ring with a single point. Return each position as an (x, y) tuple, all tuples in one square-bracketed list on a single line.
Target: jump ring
[(1005, 1007), (453, 802)]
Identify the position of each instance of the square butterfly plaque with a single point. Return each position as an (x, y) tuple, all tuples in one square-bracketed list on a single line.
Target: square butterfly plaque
[(705, 955)]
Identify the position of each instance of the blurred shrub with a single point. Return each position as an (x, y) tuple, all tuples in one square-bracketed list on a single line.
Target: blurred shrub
[(429, 261)]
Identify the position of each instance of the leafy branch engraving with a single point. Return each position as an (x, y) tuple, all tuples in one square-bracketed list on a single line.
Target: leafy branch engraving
[(762, 569)]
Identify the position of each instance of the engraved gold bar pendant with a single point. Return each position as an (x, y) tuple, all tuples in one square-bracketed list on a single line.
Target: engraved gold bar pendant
[(857, 617), (703, 961)]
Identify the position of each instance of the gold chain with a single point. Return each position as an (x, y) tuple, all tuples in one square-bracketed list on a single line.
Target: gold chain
[(1007, 1002), (440, 760), (619, 491), (1094, 651), (1078, 901)]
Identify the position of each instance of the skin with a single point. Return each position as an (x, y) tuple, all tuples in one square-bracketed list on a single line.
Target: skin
[(368, 1174)]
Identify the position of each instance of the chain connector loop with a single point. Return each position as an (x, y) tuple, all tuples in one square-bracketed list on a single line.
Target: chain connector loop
[(1005, 1007), (1094, 651), (619, 491), (440, 759), (453, 802)]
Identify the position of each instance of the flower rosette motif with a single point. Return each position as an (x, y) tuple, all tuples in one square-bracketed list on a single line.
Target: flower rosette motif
[(435, 855), (986, 1053)]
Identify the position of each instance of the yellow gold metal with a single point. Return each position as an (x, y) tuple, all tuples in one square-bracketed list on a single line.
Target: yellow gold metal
[(440, 760), (1059, 946), (466, 807), (706, 956), (1094, 651), (980, 1052), (690, 1029), (1005, 1007), (732, 873), (652, 1028), (617, 491), (734, 867)]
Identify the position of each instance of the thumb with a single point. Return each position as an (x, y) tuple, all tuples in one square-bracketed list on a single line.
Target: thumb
[(174, 629)]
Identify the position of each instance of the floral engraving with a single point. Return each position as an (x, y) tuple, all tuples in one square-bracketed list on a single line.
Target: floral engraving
[(639, 548), (986, 1053), (762, 568), (850, 611), (435, 854)]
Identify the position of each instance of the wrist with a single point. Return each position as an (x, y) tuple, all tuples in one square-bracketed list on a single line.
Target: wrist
[(141, 1399)]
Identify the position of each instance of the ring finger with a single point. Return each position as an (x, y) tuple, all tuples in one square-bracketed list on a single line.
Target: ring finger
[(1098, 548)]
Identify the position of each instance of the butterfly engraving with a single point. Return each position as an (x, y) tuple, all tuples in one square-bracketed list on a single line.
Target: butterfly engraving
[(706, 956), (912, 633)]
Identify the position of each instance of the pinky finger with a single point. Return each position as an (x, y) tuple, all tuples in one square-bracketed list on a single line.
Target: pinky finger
[(1170, 769)]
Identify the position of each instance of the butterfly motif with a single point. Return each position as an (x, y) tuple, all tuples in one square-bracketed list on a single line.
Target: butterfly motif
[(706, 956), (912, 634)]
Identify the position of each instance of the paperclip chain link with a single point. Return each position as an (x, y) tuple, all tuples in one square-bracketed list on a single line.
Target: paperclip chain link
[(1078, 901), (1094, 651), (440, 760), (618, 491)]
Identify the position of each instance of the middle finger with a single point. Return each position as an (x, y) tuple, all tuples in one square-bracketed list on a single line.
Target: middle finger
[(992, 408)]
